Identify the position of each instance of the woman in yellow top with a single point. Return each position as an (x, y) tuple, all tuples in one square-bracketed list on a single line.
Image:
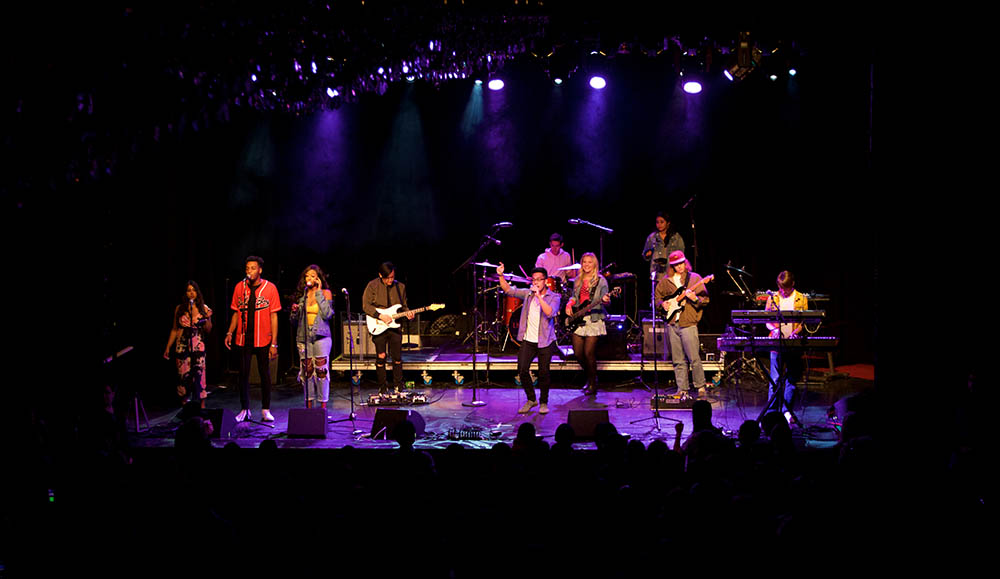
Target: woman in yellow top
[(312, 311)]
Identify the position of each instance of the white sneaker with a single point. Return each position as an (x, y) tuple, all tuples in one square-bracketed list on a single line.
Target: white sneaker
[(243, 415), (266, 416)]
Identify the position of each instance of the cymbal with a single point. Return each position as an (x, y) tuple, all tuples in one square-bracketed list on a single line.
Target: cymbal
[(569, 267), (486, 264), (508, 277)]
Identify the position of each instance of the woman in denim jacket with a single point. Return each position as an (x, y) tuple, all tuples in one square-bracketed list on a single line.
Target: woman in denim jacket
[(311, 315)]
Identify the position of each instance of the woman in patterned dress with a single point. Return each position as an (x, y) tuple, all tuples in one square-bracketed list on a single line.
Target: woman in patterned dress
[(192, 322)]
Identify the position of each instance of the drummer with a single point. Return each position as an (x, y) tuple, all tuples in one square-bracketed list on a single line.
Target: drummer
[(555, 261)]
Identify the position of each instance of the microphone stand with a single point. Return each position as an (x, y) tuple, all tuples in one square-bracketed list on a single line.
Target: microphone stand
[(475, 402), (246, 314), (694, 231), (350, 363), (600, 228), (656, 417)]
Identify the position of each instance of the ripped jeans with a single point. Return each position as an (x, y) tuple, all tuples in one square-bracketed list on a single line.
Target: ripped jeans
[(314, 369)]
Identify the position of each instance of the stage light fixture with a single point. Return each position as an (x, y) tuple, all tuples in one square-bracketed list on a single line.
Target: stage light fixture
[(792, 72), (598, 82), (495, 84), (479, 82), (557, 81), (331, 93), (773, 77), (692, 87)]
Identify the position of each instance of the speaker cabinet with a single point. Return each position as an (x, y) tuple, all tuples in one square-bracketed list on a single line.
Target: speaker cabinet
[(583, 422), (386, 420), (307, 423)]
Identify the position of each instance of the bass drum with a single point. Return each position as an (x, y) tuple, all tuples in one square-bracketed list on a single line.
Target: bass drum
[(513, 324), (510, 305)]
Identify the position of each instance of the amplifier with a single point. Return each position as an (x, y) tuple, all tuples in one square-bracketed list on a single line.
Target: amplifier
[(614, 346), (363, 346), (661, 341)]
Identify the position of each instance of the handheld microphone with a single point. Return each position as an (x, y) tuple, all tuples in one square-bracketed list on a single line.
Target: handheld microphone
[(344, 289), (494, 240), (574, 222)]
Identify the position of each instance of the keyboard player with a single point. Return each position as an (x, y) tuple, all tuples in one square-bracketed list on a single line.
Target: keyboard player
[(787, 298)]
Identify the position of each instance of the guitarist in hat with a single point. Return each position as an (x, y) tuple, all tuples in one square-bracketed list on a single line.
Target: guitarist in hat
[(682, 326)]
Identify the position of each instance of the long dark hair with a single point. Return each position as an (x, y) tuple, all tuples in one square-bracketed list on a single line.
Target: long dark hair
[(199, 301), (300, 290)]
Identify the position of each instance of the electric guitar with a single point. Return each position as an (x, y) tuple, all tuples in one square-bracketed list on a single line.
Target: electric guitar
[(377, 326), (575, 320), (674, 308)]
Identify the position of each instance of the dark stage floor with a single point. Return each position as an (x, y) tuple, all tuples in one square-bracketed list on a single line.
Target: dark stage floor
[(498, 418)]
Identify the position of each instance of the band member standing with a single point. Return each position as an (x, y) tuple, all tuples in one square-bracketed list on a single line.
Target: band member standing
[(536, 333), (683, 330), (589, 285), (787, 298), (383, 292), (554, 258), (192, 321), (311, 315), (255, 308), (660, 244)]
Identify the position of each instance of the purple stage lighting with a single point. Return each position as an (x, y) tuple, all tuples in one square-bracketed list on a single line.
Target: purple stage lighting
[(406, 69), (692, 87), (479, 82), (728, 75), (598, 82), (381, 70), (557, 81), (792, 72), (495, 84), (253, 77), (331, 93), (314, 69)]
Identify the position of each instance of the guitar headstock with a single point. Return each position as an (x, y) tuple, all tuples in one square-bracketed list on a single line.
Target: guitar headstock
[(617, 292), (435, 307)]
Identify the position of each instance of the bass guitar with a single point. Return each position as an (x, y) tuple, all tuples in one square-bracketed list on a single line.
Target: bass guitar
[(377, 326), (674, 304), (575, 320)]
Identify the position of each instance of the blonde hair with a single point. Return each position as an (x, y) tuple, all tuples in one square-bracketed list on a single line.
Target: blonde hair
[(597, 270)]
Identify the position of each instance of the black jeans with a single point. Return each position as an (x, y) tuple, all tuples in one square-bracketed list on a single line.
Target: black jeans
[(263, 368), (524, 357), (392, 338)]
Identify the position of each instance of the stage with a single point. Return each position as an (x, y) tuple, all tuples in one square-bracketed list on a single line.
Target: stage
[(447, 418)]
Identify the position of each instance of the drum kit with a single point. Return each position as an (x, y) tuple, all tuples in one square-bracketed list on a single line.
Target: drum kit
[(503, 327)]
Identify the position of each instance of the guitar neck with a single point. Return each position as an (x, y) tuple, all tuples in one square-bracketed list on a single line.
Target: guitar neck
[(416, 311)]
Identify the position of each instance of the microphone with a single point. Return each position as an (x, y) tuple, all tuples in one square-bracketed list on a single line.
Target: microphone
[(309, 284), (344, 289), (574, 222), (503, 224), (494, 240)]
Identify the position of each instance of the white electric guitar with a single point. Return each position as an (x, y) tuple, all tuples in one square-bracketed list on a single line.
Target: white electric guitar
[(377, 326)]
